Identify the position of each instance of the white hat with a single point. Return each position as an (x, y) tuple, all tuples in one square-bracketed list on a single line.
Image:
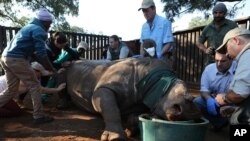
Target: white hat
[(146, 4), (39, 67), (82, 45), (231, 34), (44, 15)]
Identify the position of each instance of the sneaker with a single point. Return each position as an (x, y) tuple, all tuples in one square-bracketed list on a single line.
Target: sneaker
[(227, 111), (44, 119)]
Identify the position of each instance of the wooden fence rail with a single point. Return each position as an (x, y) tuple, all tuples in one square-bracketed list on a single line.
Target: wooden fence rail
[(189, 60)]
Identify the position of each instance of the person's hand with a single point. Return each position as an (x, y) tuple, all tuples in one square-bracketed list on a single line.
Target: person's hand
[(61, 86), (211, 106), (50, 73), (208, 50), (61, 70), (219, 99), (66, 64)]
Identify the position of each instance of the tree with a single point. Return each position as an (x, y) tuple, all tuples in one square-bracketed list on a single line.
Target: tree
[(77, 29), (174, 8), (199, 21), (10, 10)]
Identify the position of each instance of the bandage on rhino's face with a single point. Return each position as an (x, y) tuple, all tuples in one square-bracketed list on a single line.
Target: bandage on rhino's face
[(130, 86), (177, 104)]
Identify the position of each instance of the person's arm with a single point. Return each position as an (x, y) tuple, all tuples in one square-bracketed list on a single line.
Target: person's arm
[(53, 90), (202, 39), (45, 62), (205, 84), (165, 49), (204, 49), (74, 55), (40, 53), (239, 87), (142, 51), (229, 98), (205, 95)]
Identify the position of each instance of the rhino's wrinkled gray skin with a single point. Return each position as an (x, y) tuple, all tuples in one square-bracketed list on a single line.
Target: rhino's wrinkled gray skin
[(110, 89)]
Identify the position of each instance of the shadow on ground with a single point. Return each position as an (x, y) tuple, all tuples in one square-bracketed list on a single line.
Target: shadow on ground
[(69, 125)]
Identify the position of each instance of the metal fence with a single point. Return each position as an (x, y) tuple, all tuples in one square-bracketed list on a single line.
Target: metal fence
[(189, 60), (96, 42)]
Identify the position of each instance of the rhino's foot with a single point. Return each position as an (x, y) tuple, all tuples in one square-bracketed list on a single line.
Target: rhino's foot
[(132, 131), (113, 136), (132, 125)]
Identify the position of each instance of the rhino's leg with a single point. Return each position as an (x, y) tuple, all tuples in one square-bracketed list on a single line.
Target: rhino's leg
[(64, 97), (104, 102)]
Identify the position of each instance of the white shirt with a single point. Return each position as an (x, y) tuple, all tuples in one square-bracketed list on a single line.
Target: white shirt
[(3, 83)]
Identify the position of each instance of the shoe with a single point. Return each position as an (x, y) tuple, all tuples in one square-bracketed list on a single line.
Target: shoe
[(227, 111), (42, 120)]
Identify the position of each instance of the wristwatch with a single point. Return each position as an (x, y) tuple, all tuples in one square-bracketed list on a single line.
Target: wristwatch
[(226, 100)]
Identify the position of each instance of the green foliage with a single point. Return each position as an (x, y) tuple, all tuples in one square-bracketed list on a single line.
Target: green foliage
[(174, 8), (77, 29), (21, 22), (199, 21), (10, 10)]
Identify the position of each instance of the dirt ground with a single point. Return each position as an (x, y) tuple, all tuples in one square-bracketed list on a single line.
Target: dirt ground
[(69, 125)]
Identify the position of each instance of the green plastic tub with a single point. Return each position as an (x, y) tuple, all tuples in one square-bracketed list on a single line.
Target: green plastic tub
[(162, 130)]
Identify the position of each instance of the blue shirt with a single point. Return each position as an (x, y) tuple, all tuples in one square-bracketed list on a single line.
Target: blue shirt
[(160, 32), (215, 82), (29, 40)]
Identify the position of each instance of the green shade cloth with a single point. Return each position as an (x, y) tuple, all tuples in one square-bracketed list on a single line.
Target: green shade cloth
[(155, 85)]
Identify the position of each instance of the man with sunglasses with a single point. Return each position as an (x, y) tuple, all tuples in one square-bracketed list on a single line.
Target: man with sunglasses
[(214, 32)]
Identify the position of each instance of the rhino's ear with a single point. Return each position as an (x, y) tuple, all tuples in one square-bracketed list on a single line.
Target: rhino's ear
[(180, 89)]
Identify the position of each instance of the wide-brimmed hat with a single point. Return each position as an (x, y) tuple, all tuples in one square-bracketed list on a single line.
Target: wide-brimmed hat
[(37, 66), (146, 4), (231, 34)]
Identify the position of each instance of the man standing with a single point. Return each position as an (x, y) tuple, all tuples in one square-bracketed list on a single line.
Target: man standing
[(215, 79), (214, 32), (29, 43), (156, 28), (237, 45)]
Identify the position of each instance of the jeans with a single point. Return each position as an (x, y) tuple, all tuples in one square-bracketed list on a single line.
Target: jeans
[(214, 120)]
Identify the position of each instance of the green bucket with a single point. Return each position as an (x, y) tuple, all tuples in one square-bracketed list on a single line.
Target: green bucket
[(162, 130)]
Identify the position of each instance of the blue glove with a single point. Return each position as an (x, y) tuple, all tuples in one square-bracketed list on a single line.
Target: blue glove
[(212, 105)]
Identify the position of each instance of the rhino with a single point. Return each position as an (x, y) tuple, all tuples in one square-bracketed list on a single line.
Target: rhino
[(117, 90)]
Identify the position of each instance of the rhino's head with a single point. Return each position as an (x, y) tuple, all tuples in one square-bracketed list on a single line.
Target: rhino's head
[(177, 104)]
